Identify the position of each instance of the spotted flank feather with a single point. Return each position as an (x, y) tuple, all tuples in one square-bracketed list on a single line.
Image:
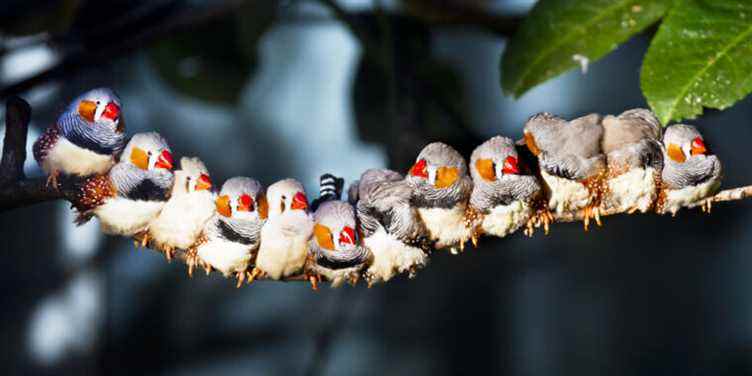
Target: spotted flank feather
[(45, 142), (92, 193)]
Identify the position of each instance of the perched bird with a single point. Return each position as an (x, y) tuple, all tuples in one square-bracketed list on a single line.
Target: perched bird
[(441, 190), (503, 198), (572, 164), (133, 193), (390, 225), (336, 251), (85, 138), (190, 206), (284, 237), (231, 237), (632, 144), (690, 173)]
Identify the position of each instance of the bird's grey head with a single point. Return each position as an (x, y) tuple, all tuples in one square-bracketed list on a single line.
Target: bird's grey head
[(684, 142), (335, 227), (494, 160), (242, 198), (191, 177), (439, 177), (646, 117), (286, 195), (148, 151), (100, 106), (540, 129)]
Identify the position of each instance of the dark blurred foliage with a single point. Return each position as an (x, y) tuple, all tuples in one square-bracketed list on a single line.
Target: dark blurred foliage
[(642, 295)]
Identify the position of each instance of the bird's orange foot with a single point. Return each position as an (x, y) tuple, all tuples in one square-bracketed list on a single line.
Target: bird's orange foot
[(242, 277), (591, 212), (707, 205), (168, 252), (191, 260), (141, 239), (542, 217), (353, 278), (314, 280), (256, 273), (52, 179)]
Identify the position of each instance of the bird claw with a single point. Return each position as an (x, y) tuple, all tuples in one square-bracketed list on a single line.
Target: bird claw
[(707, 205), (191, 260), (474, 239), (591, 212), (256, 273), (542, 217), (314, 280), (52, 179), (241, 276)]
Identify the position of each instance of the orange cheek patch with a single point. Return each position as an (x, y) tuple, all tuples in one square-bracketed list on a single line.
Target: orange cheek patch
[(675, 153), (446, 176), (263, 206), (140, 158), (323, 236), (486, 169), (87, 109), (531, 145), (223, 206)]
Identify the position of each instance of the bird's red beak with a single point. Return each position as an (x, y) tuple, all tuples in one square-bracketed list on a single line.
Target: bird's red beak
[(204, 183), (347, 236), (299, 201), (510, 166), (164, 161), (111, 111), (698, 147), (245, 203), (419, 169)]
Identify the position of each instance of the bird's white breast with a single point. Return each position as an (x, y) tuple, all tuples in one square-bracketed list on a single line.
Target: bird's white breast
[(446, 226), (689, 196), (566, 195), (503, 220), (121, 216), (284, 244), (634, 189), (391, 257), (70, 159), (182, 219), (226, 256)]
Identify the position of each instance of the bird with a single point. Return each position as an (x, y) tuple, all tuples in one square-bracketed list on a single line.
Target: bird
[(133, 192), (503, 198), (335, 251), (85, 138), (572, 164), (285, 235), (231, 237), (691, 174), (441, 190), (632, 144), (185, 214), (390, 225)]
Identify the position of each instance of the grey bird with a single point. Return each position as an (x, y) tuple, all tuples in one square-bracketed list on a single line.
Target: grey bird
[(690, 173), (231, 238), (390, 225), (632, 143), (503, 198), (441, 191), (572, 164)]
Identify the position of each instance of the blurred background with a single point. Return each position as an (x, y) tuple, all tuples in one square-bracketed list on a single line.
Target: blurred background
[(273, 89)]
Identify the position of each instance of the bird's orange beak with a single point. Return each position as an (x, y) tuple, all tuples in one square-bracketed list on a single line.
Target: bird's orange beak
[(698, 147), (86, 110), (204, 183), (223, 205), (510, 166), (299, 201), (245, 203), (164, 161)]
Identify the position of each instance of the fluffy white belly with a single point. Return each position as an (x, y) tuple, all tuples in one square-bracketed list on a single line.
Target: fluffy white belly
[(689, 196), (284, 246), (391, 257), (73, 160), (566, 195), (446, 226), (634, 189), (182, 219), (120, 216), (503, 220), (225, 256)]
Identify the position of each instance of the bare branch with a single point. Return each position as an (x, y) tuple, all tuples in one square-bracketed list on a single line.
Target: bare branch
[(17, 117)]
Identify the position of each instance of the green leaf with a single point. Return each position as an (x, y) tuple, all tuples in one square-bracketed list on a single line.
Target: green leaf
[(701, 56), (556, 31)]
